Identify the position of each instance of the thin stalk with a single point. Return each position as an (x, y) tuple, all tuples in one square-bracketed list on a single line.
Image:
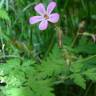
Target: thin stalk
[(86, 93)]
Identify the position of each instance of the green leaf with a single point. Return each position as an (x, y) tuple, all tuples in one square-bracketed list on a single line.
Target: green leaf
[(4, 15), (91, 74), (79, 80), (53, 65), (22, 91), (76, 67)]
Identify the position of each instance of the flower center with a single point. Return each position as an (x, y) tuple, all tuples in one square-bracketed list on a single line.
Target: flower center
[(46, 16)]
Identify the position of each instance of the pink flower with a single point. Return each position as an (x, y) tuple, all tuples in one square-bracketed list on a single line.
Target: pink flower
[(45, 15)]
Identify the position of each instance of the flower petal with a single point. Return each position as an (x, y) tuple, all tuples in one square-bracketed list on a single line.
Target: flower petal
[(35, 19), (54, 18), (40, 8), (50, 7), (43, 25)]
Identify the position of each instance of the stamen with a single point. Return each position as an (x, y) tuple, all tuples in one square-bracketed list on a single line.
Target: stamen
[(46, 16)]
